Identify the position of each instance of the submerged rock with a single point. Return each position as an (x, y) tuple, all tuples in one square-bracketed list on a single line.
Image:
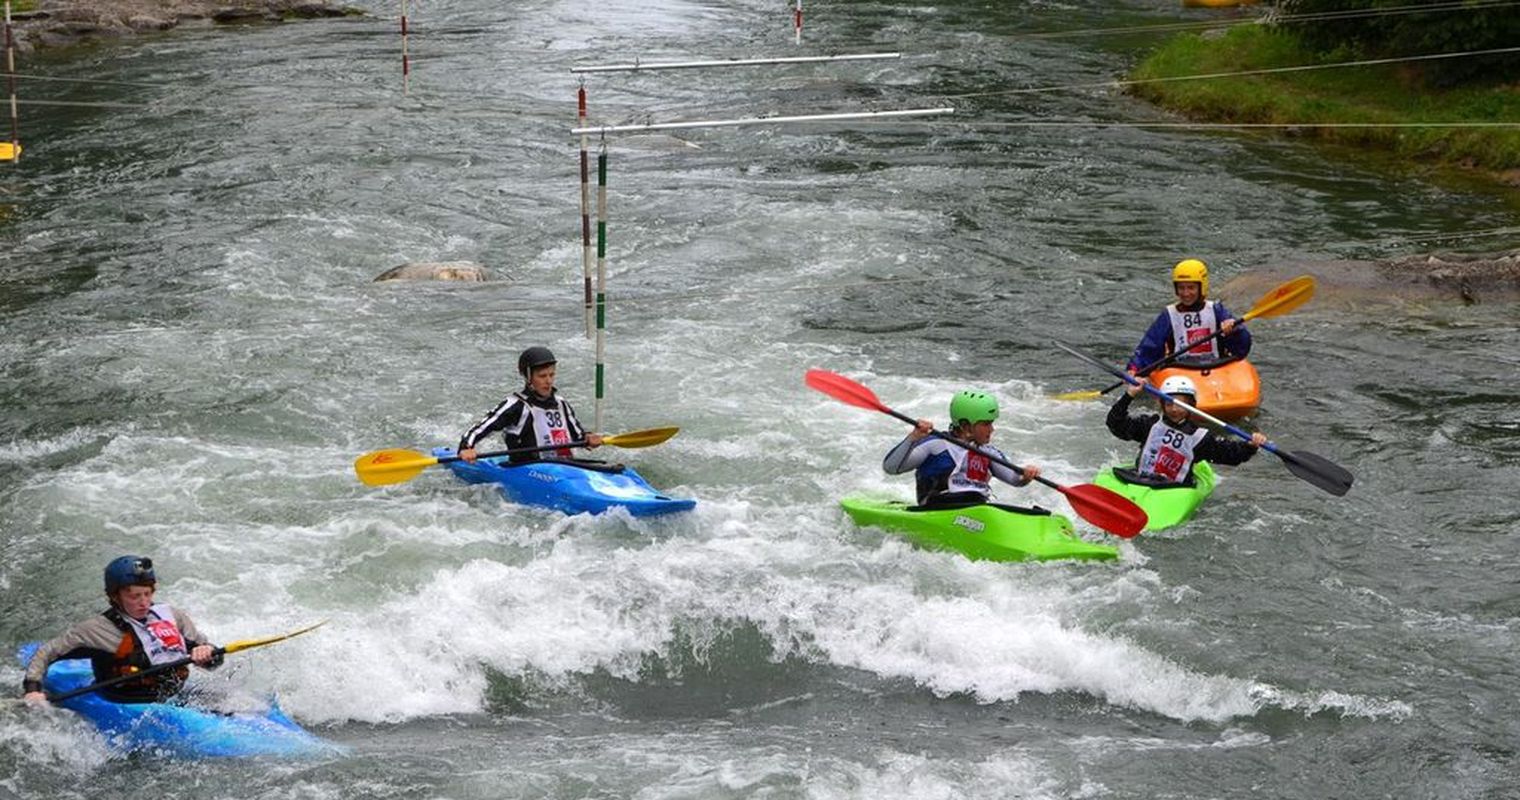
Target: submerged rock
[(467, 271)]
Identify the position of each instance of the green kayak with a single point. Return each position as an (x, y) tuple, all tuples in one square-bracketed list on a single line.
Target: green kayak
[(1168, 505), (987, 532)]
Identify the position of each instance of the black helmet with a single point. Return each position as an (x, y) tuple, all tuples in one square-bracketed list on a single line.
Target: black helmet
[(533, 358)]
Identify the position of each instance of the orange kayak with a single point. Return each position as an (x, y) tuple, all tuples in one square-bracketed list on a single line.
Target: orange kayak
[(1229, 390)]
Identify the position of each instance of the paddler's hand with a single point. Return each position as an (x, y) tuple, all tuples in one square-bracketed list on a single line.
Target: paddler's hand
[(467, 455), (593, 440), (38, 699), (1135, 388), (1227, 327), (1258, 439), (1030, 472), (921, 429), (203, 654)]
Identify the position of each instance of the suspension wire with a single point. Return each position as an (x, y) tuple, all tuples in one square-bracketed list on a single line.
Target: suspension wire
[(1435, 7), (1317, 16), (1123, 82)]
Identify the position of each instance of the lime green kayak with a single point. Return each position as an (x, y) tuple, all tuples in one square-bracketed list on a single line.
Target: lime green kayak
[(986, 532), (1166, 506)]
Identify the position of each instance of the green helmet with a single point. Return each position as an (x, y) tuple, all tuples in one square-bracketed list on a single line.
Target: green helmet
[(973, 407)]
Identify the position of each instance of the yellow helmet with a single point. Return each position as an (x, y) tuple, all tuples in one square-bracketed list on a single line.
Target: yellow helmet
[(1192, 270)]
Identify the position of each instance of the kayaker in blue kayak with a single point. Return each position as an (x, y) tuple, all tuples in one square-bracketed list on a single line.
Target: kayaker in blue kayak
[(133, 634), (533, 416), (946, 473), (1171, 442), (1192, 318)]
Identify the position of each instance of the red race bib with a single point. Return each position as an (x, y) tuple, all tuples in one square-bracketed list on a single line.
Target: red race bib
[(165, 632), (977, 468), (1169, 464)]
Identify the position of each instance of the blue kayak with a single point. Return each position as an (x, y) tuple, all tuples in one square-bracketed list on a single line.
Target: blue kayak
[(569, 486), (175, 729)]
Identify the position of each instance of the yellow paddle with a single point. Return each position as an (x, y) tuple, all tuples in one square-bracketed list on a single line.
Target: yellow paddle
[(10, 151), (230, 647), (1275, 303), (384, 467)]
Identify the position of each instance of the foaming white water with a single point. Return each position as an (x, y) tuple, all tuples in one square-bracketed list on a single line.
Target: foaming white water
[(951, 626), (1005, 774)]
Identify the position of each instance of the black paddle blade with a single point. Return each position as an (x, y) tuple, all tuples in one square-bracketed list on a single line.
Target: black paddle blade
[(1318, 470)]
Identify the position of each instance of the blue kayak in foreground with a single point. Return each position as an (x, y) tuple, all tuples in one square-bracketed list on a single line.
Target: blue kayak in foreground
[(569, 486), (175, 729)]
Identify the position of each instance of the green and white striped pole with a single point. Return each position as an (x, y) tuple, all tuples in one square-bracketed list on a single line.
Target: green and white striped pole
[(10, 74), (601, 284)]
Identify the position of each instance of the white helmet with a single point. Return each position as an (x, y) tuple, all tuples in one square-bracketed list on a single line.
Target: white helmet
[(1179, 384)]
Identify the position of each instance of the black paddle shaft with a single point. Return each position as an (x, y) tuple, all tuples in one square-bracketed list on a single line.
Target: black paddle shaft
[(518, 451), (149, 672)]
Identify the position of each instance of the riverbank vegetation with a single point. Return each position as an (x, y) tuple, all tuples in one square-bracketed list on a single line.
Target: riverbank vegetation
[(1418, 107)]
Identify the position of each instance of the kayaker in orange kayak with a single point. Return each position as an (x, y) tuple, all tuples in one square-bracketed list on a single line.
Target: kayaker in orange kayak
[(1182, 325)]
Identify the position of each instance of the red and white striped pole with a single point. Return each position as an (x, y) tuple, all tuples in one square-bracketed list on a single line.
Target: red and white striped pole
[(585, 212), (10, 74), (797, 22), (406, 62)]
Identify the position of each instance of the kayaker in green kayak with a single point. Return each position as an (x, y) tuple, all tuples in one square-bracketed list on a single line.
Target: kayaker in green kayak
[(946, 473), (133, 634), (1171, 443), (534, 416)]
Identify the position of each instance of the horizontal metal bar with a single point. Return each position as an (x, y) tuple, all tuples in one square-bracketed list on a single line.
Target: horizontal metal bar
[(736, 62), (731, 123)]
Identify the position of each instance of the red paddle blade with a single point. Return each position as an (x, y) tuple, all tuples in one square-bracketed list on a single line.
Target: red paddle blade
[(844, 390), (1107, 509)]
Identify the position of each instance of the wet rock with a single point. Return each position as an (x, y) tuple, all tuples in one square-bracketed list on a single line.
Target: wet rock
[(60, 23), (1450, 277), (468, 271)]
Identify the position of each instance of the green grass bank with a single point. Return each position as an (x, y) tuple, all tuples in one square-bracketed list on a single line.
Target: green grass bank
[(1315, 99)]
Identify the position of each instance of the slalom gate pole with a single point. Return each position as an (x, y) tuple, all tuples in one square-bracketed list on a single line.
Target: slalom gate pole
[(585, 211), (601, 283)]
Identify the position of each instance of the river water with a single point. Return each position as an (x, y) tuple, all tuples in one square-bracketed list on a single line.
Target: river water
[(193, 355)]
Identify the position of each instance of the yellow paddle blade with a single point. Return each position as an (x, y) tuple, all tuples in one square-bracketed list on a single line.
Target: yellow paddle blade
[(648, 438), (9, 151), (244, 644), (1085, 394), (384, 467), (1283, 299)]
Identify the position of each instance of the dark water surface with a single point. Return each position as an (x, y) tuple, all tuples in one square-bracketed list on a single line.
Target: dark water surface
[(192, 356)]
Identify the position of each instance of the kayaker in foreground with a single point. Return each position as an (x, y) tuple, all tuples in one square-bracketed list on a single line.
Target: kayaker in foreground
[(533, 416), (1172, 442), (948, 474), (133, 634), (1192, 318)]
